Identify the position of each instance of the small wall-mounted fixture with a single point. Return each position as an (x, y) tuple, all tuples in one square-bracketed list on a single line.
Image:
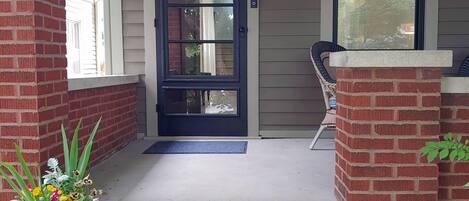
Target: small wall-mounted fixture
[(254, 3)]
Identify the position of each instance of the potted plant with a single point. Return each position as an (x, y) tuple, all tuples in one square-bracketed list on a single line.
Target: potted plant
[(72, 184)]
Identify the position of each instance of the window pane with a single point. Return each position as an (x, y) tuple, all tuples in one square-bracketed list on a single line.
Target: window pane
[(376, 24), (200, 59), (182, 101), (199, 1), (204, 23)]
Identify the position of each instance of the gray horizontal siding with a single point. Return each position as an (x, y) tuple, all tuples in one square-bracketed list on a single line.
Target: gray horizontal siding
[(453, 30), (290, 95)]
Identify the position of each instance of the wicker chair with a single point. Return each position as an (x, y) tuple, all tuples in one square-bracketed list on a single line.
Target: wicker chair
[(319, 53), (464, 68)]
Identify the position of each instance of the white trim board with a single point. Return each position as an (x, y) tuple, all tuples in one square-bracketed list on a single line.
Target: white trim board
[(253, 71), (100, 81), (149, 14), (114, 43)]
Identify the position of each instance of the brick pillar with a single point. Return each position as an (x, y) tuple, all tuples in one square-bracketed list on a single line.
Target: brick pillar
[(384, 116), (33, 83)]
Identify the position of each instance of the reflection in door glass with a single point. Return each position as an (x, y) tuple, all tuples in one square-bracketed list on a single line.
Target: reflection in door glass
[(209, 59), (201, 23), (211, 102)]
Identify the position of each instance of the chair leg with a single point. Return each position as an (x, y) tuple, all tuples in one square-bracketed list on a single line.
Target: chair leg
[(316, 137)]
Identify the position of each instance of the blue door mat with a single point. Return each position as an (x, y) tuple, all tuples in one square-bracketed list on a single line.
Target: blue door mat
[(198, 147)]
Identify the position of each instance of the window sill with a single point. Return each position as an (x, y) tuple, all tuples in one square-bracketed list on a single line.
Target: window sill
[(80, 83), (455, 85)]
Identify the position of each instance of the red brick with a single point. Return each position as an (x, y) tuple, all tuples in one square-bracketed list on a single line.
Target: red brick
[(430, 129), (5, 34), (419, 87), (356, 185), (453, 180), (368, 143), (396, 158), (5, 6), (455, 100), (23, 6), (18, 103), (357, 129), (446, 113), (394, 185), (412, 144), (356, 101), (6, 62), (428, 185), (396, 129), (422, 115), (368, 197), (372, 87), (396, 73), (7, 90), (462, 114), (431, 101), (17, 49), (461, 167), (375, 115), (431, 73), (418, 171), (7, 117), (15, 77), (18, 130), (366, 171), (21, 20), (395, 101), (460, 193), (447, 127), (417, 197)]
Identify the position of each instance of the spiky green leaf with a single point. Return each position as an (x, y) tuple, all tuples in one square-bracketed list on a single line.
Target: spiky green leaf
[(85, 155), (19, 180), (9, 181), (25, 167), (74, 148), (68, 168)]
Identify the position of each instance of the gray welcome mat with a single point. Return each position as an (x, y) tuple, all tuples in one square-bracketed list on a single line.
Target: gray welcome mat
[(198, 147)]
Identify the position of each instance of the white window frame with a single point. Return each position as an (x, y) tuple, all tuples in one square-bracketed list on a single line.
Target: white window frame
[(430, 27), (114, 44), (113, 41)]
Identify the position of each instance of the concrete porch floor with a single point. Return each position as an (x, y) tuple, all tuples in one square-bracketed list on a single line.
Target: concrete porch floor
[(272, 170)]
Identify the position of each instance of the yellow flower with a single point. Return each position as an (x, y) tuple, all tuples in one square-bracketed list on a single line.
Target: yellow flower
[(50, 188), (36, 191), (65, 198), (60, 192)]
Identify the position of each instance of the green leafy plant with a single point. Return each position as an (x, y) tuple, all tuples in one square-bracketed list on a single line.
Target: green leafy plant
[(73, 184), (451, 147)]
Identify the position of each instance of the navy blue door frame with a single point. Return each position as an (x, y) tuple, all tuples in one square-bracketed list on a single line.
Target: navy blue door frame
[(174, 124)]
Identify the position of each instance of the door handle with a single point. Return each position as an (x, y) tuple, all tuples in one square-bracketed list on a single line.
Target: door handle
[(243, 30)]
